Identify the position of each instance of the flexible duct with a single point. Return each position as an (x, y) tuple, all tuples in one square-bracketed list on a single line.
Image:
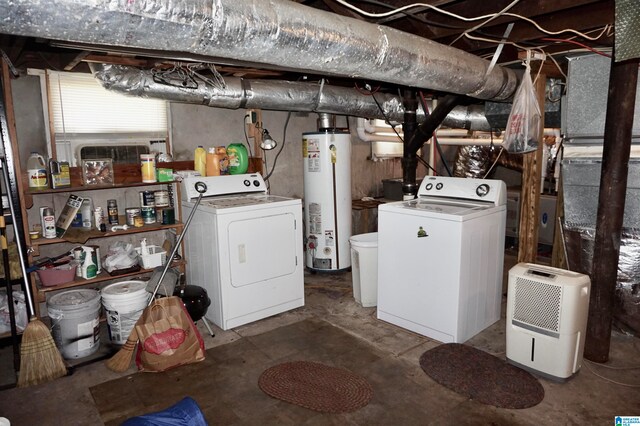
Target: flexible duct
[(277, 95), (279, 34)]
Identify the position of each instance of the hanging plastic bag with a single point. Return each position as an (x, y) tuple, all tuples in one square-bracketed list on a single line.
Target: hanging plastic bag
[(523, 127)]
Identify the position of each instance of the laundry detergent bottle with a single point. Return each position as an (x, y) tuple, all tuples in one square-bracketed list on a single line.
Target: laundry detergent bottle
[(37, 172)]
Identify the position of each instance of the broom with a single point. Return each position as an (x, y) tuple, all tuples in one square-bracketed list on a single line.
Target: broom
[(40, 360), (122, 359)]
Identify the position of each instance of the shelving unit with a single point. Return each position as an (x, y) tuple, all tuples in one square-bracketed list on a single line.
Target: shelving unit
[(125, 177)]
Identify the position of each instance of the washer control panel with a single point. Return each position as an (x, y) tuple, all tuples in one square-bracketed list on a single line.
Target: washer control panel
[(489, 190)]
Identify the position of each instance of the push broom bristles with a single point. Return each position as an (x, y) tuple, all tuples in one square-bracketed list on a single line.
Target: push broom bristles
[(121, 361), (40, 360)]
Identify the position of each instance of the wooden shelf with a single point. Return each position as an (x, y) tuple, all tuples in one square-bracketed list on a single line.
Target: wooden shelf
[(95, 187), (77, 236), (103, 276)]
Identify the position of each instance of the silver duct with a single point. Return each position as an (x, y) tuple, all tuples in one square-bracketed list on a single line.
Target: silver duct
[(276, 95), (279, 34)]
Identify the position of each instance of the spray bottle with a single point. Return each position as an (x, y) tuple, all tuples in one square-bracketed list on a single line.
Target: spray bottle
[(89, 269)]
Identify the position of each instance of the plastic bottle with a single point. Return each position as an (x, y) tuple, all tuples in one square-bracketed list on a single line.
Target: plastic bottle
[(89, 269), (37, 172), (213, 163), (148, 167), (200, 160), (238, 158)]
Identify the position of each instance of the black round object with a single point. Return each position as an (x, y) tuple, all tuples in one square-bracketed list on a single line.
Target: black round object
[(195, 299)]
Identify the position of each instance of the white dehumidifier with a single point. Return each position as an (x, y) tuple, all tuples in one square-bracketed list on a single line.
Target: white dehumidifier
[(547, 320)]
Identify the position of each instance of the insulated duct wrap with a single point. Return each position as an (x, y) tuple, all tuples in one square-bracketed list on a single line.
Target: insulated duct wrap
[(275, 95), (627, 37), (277, 34), (475, 161), (579, 242)]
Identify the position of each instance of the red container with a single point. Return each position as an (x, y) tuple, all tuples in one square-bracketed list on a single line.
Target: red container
[(57, 275)]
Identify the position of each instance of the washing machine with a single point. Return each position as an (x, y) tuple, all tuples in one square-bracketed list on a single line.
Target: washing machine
[(440, 258), (244, 247)]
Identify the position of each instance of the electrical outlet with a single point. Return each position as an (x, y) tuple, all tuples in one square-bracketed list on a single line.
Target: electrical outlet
[(251, 117)]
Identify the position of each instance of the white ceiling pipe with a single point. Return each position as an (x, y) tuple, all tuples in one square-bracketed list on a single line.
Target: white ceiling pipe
[(277, 34)]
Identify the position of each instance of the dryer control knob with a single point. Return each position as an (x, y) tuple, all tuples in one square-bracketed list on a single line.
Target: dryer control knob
[(439, 186), (429, 186), (256, 183), (483, 190), (247, 182)]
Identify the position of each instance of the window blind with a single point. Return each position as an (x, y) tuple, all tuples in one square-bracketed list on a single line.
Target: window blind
[(80, 105)]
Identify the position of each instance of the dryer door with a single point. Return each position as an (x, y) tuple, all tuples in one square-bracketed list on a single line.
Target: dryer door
[(261, 248)]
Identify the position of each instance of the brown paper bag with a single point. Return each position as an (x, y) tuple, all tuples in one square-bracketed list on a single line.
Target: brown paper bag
[(167, 336)]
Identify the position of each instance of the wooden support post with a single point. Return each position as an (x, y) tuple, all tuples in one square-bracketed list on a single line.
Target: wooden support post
[(530, 192), (613, 187)]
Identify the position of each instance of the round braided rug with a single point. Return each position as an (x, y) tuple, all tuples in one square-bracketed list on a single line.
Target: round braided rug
[(481, 376), (316, 386)]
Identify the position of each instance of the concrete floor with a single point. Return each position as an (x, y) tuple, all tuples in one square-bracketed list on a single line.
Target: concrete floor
[(586, 399)]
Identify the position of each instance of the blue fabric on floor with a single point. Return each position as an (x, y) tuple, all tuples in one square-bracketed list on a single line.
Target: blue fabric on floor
[(184, 413)]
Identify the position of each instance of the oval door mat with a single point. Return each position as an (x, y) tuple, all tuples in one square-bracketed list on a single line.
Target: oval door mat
[(316, 386), (481, 376)]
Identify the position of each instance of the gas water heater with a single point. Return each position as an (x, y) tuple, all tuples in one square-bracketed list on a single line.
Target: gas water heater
[(327, 199)]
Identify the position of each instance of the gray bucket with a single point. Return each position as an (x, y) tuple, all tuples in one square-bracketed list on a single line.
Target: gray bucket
[(75, 319)]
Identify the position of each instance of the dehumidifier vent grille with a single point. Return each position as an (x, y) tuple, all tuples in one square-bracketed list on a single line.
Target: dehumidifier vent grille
[(537, 304)]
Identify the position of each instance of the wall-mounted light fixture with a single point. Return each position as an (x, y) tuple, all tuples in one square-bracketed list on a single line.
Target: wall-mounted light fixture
[(268, 142)]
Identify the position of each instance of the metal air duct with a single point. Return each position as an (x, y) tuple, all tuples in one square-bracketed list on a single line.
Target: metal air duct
[(276, 95), (279, 34)]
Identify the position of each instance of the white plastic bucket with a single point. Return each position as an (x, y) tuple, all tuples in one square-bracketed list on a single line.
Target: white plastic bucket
[(364, 268), (75, 319), (123, 304)]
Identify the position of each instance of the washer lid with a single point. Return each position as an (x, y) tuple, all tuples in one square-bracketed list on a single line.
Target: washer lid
[(242, 200), (447, 206)]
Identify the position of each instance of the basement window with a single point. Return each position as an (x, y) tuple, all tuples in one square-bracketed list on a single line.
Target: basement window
[(91, 122)]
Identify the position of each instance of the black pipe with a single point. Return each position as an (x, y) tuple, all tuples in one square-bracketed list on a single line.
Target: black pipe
[(409, 158), (425, 131)]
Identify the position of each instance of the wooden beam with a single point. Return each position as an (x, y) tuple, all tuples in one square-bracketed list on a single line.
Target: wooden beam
[(530, 8), (611, 199), (116, 60), (79, 57), (530, 195)]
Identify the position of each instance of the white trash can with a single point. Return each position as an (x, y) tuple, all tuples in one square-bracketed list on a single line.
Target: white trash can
[(364, 268)]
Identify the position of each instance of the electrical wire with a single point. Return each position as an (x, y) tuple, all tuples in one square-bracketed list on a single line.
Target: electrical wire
[(414, 16), (488, 17), (246, 137), (502, 12), (577, 43), (629, 385), (494, 161), (284, 139)]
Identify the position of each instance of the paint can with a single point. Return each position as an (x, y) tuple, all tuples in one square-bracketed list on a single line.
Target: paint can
[(161, 198), (148, 214), (123, 304), (131, 214), (167, 215), (75, 320), (147, 199)]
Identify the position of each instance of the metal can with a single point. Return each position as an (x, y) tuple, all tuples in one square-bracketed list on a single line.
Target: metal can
[(147, 199), (138, 222), (49, 221), (131, 214), (161, 198), (98, 216), (167, 215), (148, 214), (112, 212)]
